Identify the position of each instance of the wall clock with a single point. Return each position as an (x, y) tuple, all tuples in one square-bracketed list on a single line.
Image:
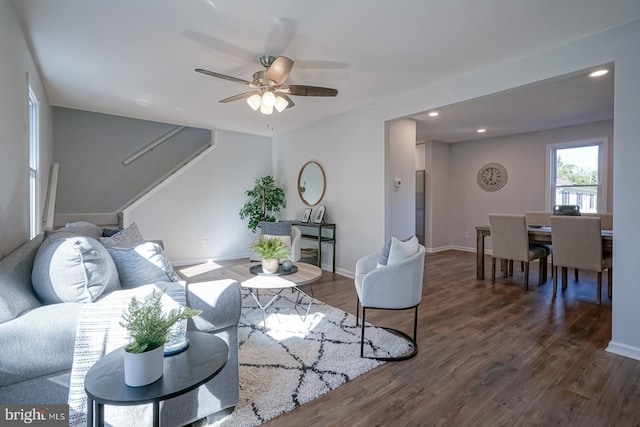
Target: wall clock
[(492, 177)]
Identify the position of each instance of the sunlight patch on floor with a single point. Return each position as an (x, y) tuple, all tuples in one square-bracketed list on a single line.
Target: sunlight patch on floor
[(282, 326), (196, 270)]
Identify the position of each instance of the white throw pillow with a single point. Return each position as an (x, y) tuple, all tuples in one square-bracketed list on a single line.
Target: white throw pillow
[(402, 250)]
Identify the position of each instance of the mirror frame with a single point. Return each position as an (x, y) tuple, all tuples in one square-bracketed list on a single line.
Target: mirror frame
[(324, 182)]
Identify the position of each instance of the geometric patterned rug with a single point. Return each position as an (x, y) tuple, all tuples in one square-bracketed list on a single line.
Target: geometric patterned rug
[(297, 359)]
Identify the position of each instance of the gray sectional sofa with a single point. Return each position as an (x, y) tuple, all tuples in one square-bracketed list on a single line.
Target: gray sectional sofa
[(37, 339)]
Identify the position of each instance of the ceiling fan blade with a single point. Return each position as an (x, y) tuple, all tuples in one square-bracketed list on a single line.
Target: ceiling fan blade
[(300, 90), (279, 70), (237, 97), (222, 76)]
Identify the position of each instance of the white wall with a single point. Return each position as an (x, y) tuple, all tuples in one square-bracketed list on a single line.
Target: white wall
[(400, 200), (16, 62), (203, 202), (351, 148)]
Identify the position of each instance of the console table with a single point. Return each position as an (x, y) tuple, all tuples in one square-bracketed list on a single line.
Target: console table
[(313, 231), (183, 372)]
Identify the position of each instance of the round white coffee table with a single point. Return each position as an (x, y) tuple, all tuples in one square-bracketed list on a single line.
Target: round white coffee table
[(305, 275)]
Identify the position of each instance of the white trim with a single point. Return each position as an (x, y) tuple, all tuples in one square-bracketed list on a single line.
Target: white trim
[(623, 350), (603, 172), (126, 210)]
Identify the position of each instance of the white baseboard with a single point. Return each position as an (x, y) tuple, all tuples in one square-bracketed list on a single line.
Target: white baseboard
[(624, 350)]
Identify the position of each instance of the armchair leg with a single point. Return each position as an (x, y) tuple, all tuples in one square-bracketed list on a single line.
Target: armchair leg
[(413, 341), (357, 309), (599, 297), (526, 276), (554, 272), (609, 283)]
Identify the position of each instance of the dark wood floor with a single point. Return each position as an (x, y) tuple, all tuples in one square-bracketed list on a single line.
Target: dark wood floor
[(489, 355)]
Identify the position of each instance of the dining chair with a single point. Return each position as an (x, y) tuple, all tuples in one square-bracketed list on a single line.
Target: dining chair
[(577, 243), (606, 219), (510, 242), (535, 218), (566, 210)]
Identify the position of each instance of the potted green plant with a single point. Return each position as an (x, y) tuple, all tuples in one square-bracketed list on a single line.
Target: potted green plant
[(148, 326), (266, 198), (271, 250)]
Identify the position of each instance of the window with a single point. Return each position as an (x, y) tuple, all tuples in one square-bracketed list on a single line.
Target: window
[(34, 167), (577, 174)]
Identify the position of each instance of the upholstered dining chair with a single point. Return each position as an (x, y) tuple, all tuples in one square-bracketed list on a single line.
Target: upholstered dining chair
[(510, 242), (566, 210), (394, 286), (577, 243)]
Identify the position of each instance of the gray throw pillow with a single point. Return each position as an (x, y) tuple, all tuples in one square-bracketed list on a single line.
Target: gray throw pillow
[(384, 253), (143, 265), (275, 228), (84, 228), (130, 237), (71, 268)]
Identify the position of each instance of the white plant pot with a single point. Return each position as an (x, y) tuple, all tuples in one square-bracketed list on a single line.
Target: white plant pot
[(270, 266), (141, 369)]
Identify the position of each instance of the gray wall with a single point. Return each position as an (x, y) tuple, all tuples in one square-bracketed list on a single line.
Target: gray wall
[(90, 148), (524, 158)]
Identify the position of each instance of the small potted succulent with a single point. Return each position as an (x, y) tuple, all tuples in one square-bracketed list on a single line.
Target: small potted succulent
[(271, 250), (148, 326)]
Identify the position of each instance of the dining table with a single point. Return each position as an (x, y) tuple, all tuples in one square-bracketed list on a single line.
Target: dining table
[(537, 234)]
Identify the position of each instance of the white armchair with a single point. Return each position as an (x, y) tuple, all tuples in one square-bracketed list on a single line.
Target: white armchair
[(296, 239), (395, 286)]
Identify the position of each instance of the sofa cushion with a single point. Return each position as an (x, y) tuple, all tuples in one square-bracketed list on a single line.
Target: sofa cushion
[(275, 228), (38, 342), (142, 265), (130, 237), (16, 292), (71, 268)]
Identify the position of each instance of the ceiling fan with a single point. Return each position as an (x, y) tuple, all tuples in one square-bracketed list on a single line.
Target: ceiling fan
[(269, 89)]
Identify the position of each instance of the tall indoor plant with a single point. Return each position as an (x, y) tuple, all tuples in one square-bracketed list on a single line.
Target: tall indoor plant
[(148, 326), (266, 199)]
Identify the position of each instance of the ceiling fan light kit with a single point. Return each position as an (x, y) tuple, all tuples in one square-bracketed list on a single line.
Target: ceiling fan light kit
[(270, 91)]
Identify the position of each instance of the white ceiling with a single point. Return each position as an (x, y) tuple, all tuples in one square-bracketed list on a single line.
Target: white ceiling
[(136, 58)]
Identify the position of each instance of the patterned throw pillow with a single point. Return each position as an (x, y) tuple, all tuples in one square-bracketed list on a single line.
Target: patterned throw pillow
[(142, 265), (130, 237), (275, 228)]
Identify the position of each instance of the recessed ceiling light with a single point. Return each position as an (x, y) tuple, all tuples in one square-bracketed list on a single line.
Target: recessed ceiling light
[(481, 130), (598, 73), (433, 113)]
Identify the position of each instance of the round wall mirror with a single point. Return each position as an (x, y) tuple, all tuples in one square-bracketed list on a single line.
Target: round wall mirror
[(311, 183)]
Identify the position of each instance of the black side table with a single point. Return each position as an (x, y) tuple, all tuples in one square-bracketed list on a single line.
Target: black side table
[(183, 372)]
